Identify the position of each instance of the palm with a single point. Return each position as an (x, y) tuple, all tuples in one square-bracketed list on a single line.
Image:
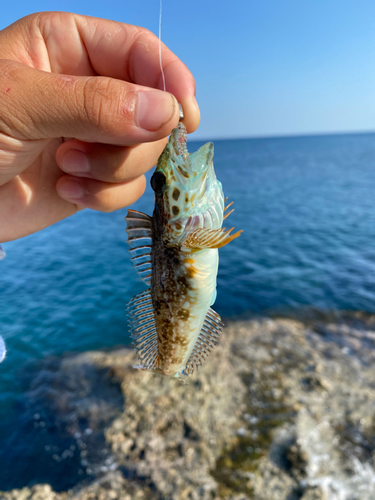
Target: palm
[(41, 178), (30, 200)]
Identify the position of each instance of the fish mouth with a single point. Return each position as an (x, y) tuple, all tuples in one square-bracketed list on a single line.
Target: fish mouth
[(192, 195), (197, 163), (191, 173)]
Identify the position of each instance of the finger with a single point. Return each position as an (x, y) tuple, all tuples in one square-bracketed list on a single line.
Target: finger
[(17, 155), (103, 196), (29, 202), (102, 47), (106, 162), (178, 79), (94, 109)]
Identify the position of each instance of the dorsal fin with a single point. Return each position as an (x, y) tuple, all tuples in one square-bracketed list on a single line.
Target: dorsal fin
[(139, 229), (142, 329), (209, 337)]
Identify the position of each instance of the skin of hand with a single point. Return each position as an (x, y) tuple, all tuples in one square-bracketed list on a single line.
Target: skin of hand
[(82, 116)]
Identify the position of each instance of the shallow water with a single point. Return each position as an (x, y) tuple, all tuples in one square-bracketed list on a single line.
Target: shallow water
[(306, 205)]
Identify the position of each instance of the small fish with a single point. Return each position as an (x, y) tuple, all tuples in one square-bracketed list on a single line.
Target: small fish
[(175, 252)]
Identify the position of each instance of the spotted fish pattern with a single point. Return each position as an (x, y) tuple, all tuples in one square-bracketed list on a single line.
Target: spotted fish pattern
[(175, 253)]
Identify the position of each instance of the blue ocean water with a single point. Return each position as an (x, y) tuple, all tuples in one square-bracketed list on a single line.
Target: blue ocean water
[(306, 205)]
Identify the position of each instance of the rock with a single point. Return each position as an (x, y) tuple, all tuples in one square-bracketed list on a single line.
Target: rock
[(314, 493), (39, 492), (280, 410)]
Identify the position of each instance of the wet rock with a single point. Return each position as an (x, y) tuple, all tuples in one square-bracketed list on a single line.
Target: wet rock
[(281, 410)]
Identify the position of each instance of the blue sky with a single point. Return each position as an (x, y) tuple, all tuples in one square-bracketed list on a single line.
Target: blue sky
[(263, 68)]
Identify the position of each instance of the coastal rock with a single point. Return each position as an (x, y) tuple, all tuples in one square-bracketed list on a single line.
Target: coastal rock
[(282, 409)]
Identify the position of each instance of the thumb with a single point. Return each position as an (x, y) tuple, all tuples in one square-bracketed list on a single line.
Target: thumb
[(38, 105)]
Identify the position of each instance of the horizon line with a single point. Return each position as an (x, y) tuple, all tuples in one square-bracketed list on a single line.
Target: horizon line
[(285, 136)]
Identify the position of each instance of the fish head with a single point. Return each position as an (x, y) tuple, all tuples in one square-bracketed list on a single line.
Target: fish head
[(187, 193)]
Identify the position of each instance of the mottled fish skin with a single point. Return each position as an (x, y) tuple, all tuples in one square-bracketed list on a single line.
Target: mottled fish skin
[(184, 284), (188, 197), (184, 281)]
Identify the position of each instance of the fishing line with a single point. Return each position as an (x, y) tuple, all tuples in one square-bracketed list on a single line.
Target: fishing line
[(161, 66), (160, 61)]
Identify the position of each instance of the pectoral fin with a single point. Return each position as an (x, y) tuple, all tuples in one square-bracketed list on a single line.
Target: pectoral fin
[(209, 238), (138, 227)]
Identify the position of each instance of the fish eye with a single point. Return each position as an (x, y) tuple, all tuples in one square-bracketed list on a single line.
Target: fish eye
[(158, 181)]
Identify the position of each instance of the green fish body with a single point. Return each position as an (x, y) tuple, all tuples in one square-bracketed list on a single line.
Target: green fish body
[(176, 254)]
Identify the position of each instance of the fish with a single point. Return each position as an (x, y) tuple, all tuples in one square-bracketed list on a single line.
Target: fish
[(175, 253)]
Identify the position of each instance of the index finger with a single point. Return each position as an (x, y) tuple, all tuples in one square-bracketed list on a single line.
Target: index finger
[(82, 45)]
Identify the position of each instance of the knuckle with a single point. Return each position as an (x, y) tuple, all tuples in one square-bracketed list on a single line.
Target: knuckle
[(100, 97), (14, 118), (47, 22)]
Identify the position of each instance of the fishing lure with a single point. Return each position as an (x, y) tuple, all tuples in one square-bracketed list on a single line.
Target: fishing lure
[(175, 252)]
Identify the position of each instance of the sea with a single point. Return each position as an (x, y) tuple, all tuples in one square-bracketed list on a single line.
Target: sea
[(307, 209)]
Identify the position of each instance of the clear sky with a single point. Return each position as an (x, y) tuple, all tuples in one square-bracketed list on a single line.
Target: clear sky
[(263, 67)]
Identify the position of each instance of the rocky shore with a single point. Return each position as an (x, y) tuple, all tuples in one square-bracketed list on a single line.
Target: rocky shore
[(281, 410)]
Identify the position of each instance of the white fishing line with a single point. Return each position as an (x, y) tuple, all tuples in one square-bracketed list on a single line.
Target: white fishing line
[(160, 61)]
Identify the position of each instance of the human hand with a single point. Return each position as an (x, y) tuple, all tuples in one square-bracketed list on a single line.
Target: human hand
[(80, 121)]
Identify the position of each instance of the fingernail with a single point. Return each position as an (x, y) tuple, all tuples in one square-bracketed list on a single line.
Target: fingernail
[(155, 109), (71, 189), (75, 162)]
